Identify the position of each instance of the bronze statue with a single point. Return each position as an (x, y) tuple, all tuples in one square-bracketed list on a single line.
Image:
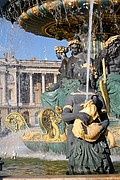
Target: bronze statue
[(107, 67), (77, 59), (86, 157), (61, 54), (87, 128), (87, 147), (111, 54)]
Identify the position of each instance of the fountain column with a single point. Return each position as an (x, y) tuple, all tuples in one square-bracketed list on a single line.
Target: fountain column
[(43, 83)]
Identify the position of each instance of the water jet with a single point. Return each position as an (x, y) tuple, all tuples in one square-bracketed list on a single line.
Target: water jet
[(64, 20)]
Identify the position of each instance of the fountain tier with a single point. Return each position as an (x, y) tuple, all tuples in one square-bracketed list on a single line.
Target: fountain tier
[(63, 19)]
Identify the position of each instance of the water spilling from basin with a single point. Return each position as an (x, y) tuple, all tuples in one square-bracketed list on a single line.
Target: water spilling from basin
[(13, 143)]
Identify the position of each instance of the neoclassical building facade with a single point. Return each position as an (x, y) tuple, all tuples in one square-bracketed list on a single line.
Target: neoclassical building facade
[(21, 84)]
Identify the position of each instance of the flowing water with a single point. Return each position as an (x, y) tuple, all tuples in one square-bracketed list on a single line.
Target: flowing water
[(29, 163), (89, 46), (12, 143), (26, 161)]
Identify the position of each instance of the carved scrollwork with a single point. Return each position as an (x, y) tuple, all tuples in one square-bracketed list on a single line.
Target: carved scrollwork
[(15, 122), (51, 124)]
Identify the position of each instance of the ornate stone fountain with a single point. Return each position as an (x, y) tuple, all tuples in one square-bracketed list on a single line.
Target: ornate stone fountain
[(60, 19)]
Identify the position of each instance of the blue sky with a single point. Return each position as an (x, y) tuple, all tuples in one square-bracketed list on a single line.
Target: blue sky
[(26, 45)]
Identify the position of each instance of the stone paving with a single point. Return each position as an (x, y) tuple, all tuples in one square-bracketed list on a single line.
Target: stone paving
[(32, 167), (75, 177), (35, 169)]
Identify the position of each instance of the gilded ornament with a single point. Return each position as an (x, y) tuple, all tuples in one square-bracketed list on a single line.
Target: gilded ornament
[(25, 16)]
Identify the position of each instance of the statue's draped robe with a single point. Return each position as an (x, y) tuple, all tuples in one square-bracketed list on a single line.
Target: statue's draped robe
[(85, 157)]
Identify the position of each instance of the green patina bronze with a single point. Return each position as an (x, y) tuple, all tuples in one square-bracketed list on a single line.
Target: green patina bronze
[(63, 20), (57, 97), (113, 88)]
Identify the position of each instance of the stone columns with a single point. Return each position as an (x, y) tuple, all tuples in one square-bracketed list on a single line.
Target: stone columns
[(15, 90), (18, 76), (43, 83), (4, 89), (31, 89), (55, 78)]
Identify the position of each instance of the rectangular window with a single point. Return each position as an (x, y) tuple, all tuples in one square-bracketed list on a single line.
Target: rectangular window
[(10, 94)]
